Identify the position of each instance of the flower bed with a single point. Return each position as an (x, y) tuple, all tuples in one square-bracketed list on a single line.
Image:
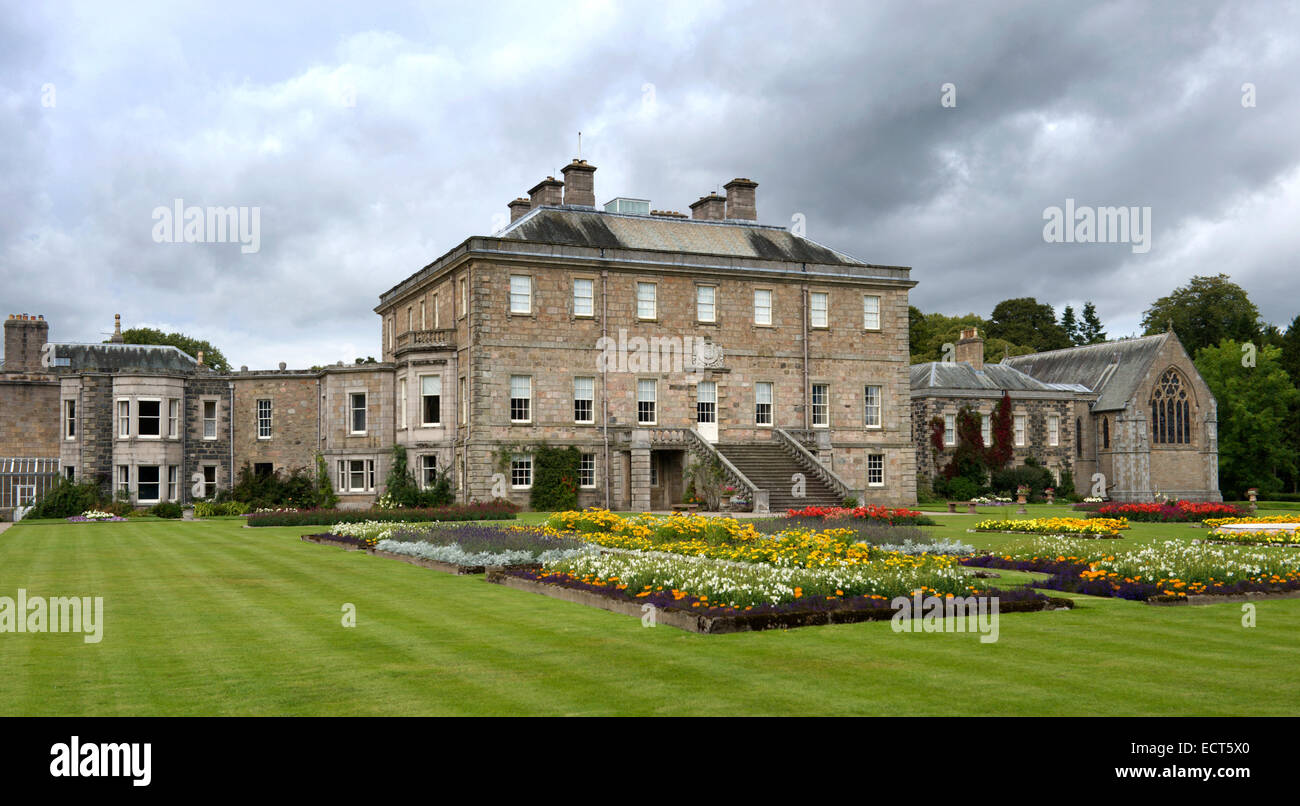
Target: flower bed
[(869, 512), (1176, 512), (94, 516), (495, 510), (1215, 523), (1267, 537), (692, 614), (1056, 527), (1172, 570)]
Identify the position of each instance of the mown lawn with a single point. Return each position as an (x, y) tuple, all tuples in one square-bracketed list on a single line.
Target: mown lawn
[(212, 618)]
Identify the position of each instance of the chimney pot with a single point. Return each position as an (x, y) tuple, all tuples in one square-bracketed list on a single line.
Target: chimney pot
[(740, 199), (970, 348), (519, 208), (579, 183), (546, 193), (710, 208)]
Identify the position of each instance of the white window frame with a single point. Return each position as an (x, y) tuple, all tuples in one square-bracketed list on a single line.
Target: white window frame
[(123, 480), (647, 301), (423, 422), (949, 430), (587, 471), (173, 418), (521, 297), (1020, 426), (825, 405), (173, 482), (263, 433), (139, 432), (401, 402), (591, 398), (711, 291), (139, 497), (770, 403), (527, 400), (653, 385), (870, 318), (824, 309), (352, 413), (464, 296), (877, 459), (763, 312), (437, 313), (211, 488), (986, 429), (706, 402), (523, 466), (462, 400), (584, 305), (425, 481), (873, 397), (205, 419), (70, 418), (123, 418)]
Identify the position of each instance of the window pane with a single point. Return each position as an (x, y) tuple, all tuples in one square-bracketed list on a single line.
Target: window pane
[(521, 294), (871, 406), (584, 410), (358, 403), (871, 312), (706, 405), (762, 307), (763, 403), (587, 471), (521, 393), (645, 401), (583, 294), (704, 303), (819, 305), (645, 300), (820, 404)]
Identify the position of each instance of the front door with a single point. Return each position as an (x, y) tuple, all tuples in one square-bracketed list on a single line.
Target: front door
[(706, 410)]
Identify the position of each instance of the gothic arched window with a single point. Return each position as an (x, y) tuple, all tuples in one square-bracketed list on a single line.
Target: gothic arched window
[(1105, 433), (1171, 410)]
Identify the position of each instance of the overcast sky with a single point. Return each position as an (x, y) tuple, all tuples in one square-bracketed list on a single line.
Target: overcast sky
[(376, 139)]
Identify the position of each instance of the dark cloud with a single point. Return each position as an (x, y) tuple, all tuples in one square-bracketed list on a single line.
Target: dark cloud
[(834, 110)]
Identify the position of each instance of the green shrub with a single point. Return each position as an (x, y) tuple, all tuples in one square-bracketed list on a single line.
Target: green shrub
[(958, 488), (166, 509), (1031, 474), (924, 491), (555, 479), (68, 499)]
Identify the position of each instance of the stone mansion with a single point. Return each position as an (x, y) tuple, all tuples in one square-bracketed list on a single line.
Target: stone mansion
[(652, 341)]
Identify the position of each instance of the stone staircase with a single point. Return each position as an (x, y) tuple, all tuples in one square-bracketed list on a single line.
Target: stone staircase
[(769, 466)]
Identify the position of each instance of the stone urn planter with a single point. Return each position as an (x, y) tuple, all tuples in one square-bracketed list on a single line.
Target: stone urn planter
[(1050, 494), (187, 514), (1253, 495), (1022, 498)]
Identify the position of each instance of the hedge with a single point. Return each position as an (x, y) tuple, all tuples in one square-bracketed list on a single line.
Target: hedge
[(494, 510)]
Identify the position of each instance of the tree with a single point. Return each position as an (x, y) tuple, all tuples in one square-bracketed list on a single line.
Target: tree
[(1205, 312), (1090, 331), (1070, 325), (1255, 406), (212, 357), (1027, 321), (1290, 344), (1000, 453), (969, 459)]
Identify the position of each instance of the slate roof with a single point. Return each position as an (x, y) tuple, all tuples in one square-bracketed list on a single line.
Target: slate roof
[(115, 357), (584, 226), (1113, 369), (993, 378)]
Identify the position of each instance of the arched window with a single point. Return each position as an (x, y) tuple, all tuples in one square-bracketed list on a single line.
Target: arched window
[(1105, 433), (1171, 410)]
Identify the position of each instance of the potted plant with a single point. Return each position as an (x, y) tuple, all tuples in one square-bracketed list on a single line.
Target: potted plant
[(1022, 495), (1050, 494)]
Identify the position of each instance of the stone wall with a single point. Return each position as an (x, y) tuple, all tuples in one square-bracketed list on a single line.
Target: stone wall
[(295, 409)]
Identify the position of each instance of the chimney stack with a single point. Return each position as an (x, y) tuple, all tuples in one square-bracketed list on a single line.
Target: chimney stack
[(117, 329), (546, 193), (710, 208), (519, 208), (740, 199), (579, 183), (970, 348), (25, 337)]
